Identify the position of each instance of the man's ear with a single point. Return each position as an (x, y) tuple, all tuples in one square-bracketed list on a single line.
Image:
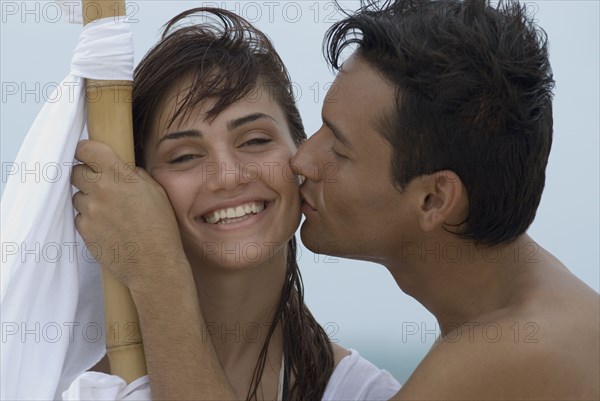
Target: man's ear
[(443, 201)]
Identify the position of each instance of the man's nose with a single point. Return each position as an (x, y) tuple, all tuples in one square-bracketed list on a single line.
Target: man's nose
[(305, 162)]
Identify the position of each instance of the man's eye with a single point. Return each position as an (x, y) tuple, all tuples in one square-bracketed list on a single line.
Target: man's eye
[(257, 141), (337, 155)]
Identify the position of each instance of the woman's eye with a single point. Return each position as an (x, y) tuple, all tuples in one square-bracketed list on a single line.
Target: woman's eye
[(257, 141), (183, 158)]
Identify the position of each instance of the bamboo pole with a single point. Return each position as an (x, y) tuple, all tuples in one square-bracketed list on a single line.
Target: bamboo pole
[(109, 120)]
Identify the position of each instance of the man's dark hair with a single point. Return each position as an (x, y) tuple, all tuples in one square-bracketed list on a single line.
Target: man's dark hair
[(474, 95), (229, 58)]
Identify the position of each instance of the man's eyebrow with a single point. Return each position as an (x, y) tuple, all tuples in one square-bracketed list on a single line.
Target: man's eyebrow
[(337, 133), (238, 122), (192, 133)]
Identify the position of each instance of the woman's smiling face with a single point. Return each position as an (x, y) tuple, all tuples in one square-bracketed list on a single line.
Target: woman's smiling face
[(229, 180)]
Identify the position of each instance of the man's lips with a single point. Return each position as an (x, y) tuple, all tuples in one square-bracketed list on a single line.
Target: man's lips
[(306, 205), (306, 202)]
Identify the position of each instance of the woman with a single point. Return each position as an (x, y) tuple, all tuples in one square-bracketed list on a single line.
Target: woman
[(215, 124)]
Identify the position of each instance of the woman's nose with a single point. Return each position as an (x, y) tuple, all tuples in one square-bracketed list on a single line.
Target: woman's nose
[(224, 173)]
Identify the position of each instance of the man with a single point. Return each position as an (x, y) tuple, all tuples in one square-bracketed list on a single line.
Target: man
[(431, 161)]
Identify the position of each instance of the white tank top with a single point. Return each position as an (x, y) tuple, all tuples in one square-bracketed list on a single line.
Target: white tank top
[(356, 379)]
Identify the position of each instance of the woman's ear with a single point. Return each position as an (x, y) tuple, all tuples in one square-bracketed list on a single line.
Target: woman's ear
[(443, 201)]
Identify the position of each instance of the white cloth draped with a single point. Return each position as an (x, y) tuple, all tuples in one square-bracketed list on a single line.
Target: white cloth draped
[(50, 296)]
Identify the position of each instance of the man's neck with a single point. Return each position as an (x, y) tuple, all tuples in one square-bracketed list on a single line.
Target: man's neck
[(459, 282)]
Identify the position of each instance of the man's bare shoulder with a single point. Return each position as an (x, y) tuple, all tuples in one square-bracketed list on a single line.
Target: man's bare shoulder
[(499, 372), (546, 347), (506, 360)]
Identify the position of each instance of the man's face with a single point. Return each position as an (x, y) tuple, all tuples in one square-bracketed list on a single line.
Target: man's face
[(351, 206)]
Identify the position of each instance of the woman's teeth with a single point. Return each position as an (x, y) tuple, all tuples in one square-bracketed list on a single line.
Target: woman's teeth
[(234, 214)]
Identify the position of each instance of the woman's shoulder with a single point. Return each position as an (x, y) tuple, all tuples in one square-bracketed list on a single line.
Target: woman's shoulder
[(339, 353), (355, 378)]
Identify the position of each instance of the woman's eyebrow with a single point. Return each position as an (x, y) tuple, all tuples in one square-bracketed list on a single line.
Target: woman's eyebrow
[(231, 125), (192, 133), (238, 122)]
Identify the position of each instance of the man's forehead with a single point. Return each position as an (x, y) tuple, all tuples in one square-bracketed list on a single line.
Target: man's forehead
[(359, 88), (356, 102), (356, 73), (352, 63)]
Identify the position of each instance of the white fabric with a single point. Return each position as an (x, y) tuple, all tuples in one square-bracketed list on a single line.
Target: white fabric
[(355, 378), (50, 294), (105, 51), (100, 386)]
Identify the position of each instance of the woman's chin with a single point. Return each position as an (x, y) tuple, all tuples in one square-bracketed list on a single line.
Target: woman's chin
[(236, 256)]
